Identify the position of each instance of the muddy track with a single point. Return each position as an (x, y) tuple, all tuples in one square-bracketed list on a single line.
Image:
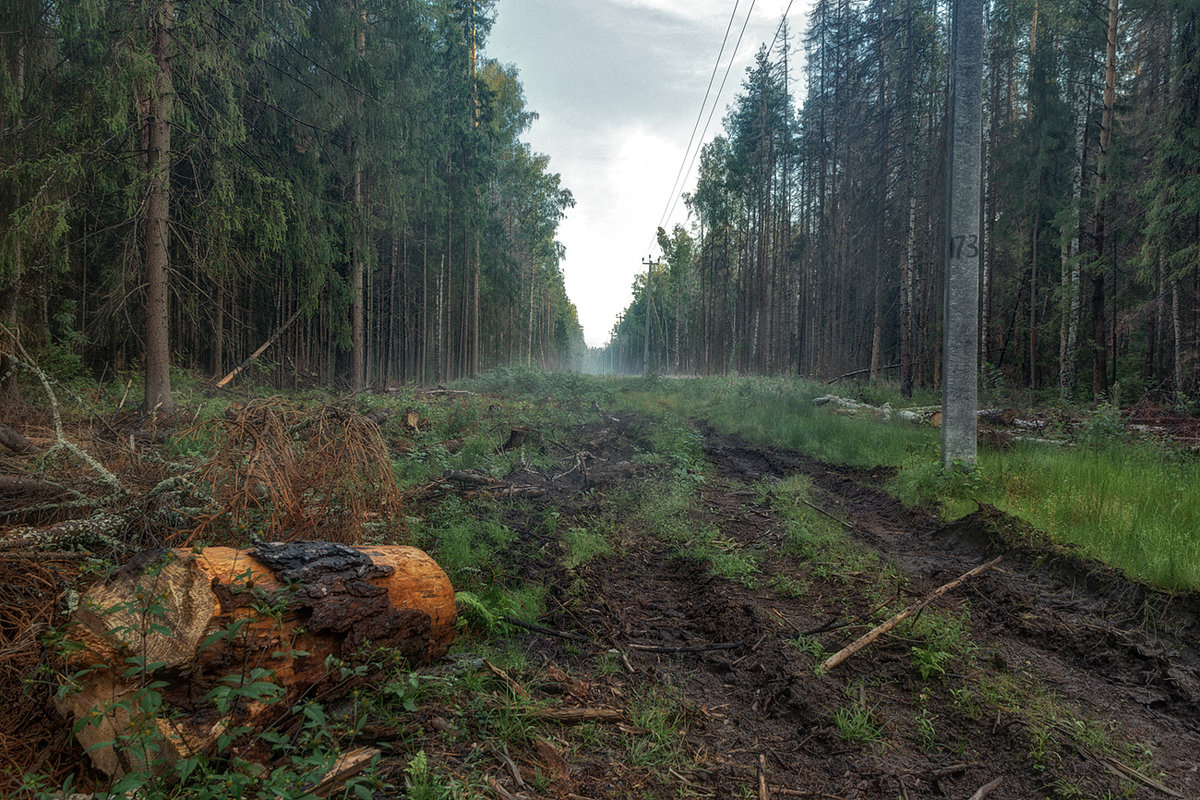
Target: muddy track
[(1102, 650)]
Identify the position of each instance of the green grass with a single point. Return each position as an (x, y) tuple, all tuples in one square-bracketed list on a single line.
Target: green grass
[(1130, 504), (1134, 506), (780, 411)]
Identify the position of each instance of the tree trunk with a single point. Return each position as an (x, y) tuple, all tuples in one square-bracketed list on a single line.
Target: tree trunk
[(158, 214), (357, 268), (1099, 365)]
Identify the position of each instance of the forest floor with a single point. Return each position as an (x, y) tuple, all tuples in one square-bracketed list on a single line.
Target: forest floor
[(689, 584)]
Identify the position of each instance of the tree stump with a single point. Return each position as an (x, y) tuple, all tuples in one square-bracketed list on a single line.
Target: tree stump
[(196, 620)]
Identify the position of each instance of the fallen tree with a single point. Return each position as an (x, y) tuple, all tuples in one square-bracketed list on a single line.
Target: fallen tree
[(222, 634), (930, 415)]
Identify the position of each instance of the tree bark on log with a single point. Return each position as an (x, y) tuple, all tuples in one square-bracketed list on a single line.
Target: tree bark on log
[(15, 442), (200, 620)]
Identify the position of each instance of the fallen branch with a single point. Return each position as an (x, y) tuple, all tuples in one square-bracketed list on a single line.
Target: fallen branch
[(517, 688), (98, 530), (60, 439), (700, 648), (221, 384), (501, 792), (347, 766), (572, 715), (1128, 772), (578, 637), (880, 630), (820, 510), (17, 484), (986, 789)]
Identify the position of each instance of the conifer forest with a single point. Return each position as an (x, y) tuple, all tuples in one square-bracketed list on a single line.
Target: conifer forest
[(313, 488), (818, 224), (182, 181)]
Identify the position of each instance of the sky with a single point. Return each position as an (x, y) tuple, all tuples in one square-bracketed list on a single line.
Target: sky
[(617, 85)]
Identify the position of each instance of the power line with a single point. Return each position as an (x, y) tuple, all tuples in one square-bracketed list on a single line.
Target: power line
[(782, 21), (674, 200), (700, 114)]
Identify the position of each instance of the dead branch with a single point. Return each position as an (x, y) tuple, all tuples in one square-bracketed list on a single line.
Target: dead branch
[(20, 484), (548, 631), (262, 348), (1121, 770), (700, 648), (880, 630), (346, 767), (60, 439), (987, 789), (517, 688), (575, 715), (99, 530), (857, 372)]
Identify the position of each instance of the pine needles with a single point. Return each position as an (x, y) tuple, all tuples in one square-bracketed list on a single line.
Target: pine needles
[(294, 474)]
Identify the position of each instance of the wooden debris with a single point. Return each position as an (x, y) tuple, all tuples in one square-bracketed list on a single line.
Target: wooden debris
[(15, 442), (501, 792), (763, 792), (221, 384), (575, 715), (517, 688), (1124, 771), (922, 415), (987, 789), (347, 766), (552, 760), (880, 630), (199, 616)]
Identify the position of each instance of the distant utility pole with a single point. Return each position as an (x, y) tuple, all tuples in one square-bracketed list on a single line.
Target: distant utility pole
[(649, 298), (960, 346)]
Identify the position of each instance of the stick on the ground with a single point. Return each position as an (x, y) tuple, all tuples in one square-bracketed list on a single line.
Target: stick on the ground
[(880, 630), (568, 715), (986, 789), (517, 688), (763, 793), (826, 513), (1128, 772), (698, 648), (548, 631)]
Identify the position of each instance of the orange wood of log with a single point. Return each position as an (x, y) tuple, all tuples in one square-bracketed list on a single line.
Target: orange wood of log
[(194, 618)]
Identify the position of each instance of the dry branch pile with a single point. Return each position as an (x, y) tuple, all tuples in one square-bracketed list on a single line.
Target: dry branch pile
[(297, 474)]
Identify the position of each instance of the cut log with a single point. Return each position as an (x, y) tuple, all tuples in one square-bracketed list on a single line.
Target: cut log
[(207, 618)]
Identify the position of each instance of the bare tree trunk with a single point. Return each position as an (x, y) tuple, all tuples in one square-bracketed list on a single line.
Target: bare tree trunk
[(357, 332), (1177, 337), (1099, 366), (158, 215), (1069, 331), (906, 267)]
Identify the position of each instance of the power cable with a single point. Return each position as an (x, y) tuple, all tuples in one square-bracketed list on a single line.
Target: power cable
[(674, 200), (700, 114)]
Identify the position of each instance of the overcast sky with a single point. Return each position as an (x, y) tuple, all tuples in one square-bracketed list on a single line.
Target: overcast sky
[(617, 85)]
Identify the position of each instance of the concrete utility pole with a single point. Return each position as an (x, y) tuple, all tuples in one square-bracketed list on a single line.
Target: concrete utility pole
[(960, 345), (650, 265)]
